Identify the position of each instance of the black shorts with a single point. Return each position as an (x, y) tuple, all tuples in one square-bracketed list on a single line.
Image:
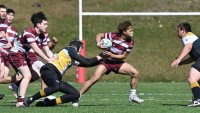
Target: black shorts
[(196, 65), (50, 75)]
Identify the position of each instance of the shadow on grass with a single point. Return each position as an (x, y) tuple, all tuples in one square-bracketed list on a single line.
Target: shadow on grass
[(174, 105)]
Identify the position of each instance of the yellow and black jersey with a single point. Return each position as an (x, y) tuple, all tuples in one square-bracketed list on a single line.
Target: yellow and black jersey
[(195, 41), (63, 61), (66, 58)]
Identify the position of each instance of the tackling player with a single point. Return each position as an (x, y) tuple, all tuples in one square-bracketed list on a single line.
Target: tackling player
[(51, 74)]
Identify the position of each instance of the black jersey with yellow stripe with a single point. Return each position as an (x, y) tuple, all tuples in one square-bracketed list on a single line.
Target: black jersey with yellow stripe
[(67, 57), (63, 61), (195, 51)]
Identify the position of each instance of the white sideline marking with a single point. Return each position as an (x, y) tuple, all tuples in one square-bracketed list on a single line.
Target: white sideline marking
[(149, 94), (106, 99), (152, 98), (149, 99)]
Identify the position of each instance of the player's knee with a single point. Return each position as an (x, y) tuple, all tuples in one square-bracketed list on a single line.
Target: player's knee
[(135, 74), (27, 77), (191, 80), (56, 88), (76, 95)]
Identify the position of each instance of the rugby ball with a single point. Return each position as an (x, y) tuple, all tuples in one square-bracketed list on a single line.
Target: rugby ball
[(106, 43)]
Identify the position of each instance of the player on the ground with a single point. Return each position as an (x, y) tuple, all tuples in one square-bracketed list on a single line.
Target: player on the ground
[(122, 43), (191, 47), (51, 74)]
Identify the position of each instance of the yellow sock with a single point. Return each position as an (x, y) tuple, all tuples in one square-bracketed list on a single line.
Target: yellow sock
[(42, 93), (194, 84), (58, 100)]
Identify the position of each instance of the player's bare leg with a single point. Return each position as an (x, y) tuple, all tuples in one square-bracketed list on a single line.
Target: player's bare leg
[(128, 69), (23, 85), (2, 70), (11, 79), (96, 76), (89, 83)]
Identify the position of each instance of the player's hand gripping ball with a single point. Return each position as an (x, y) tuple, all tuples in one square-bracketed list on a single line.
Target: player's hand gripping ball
[(106, 43)]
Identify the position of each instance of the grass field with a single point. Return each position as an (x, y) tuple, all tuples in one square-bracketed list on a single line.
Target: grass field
[(108, 97)]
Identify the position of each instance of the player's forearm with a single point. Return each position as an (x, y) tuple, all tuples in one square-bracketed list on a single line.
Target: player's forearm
[(99, 37), (50, 54), (7, 37), (121, 57), (185, 52), (41, 54), (88, 62)]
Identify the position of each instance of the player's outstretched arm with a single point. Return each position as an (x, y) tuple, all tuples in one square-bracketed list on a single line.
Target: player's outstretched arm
[(83, 62)]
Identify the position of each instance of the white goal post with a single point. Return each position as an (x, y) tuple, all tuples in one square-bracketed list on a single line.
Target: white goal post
[(81, 14)]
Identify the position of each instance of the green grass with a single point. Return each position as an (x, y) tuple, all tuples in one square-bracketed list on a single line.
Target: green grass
[(112, 97)]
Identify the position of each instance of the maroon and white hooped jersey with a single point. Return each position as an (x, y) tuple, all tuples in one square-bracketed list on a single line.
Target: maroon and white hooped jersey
[(12, 33), (119, 46), (3, 28), (27, 37), (3, 25)]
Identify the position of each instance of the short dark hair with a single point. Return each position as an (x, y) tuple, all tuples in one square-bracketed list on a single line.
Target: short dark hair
[(123, 26), (10, 11), (3, 6), (185, 26), (38, 18)]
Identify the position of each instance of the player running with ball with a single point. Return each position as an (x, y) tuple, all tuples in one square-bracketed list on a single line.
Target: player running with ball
[(122, 43)]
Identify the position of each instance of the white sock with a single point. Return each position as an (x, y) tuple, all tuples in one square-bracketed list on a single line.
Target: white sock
[(133, 92), (20, 96)]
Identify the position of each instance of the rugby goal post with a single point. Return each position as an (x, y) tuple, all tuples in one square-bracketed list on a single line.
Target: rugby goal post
[(80, 75)]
